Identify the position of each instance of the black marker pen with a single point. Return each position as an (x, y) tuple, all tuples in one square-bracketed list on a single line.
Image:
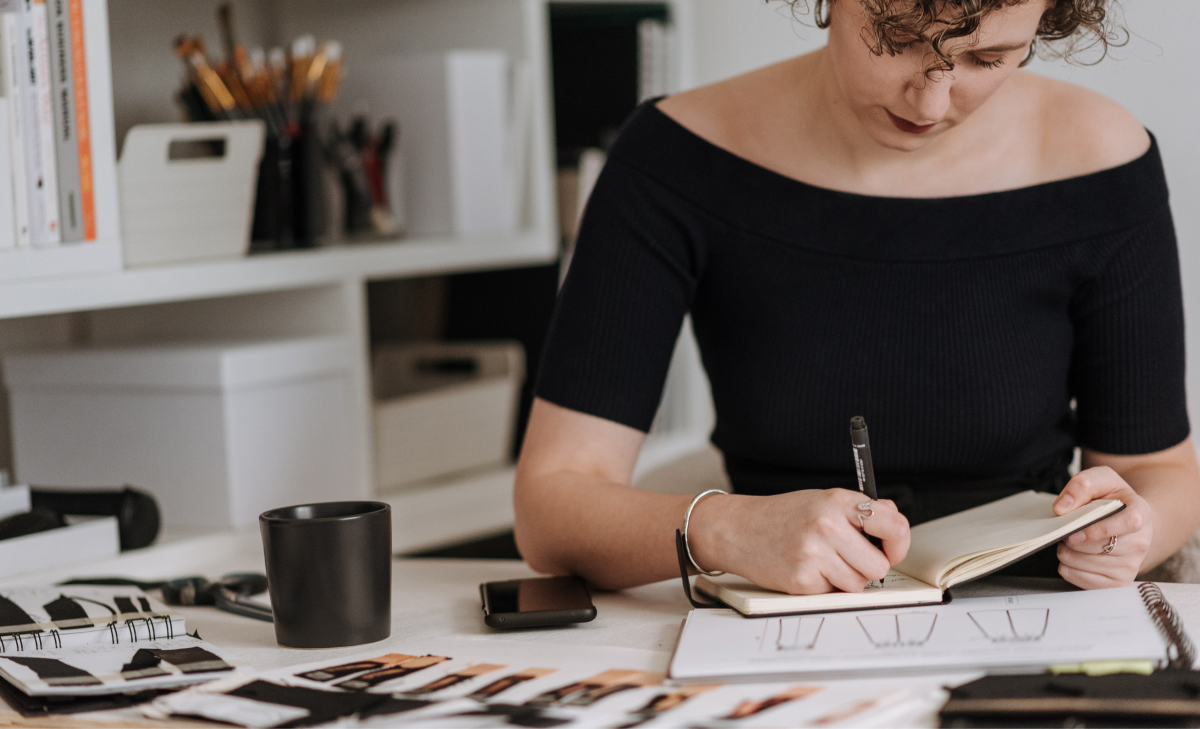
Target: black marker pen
[(862, 466), (862, 457)]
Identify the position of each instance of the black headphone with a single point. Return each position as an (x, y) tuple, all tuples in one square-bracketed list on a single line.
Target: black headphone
[(136, 511)]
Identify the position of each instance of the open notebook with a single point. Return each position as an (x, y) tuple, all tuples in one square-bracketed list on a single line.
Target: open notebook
[(943, 553)]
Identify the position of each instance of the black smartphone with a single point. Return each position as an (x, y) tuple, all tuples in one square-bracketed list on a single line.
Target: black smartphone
[(536, 602)]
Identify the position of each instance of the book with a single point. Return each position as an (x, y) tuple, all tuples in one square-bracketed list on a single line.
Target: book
[(654, 59), (37, 122), (1128, 628), (62, 84), (944, 552), (11, 45), (83, 120), (91, 641), (50, 232), (8, 228), (1127, 699)]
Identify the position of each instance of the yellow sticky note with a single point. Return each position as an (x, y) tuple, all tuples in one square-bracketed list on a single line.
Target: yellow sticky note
[(1104, 668)]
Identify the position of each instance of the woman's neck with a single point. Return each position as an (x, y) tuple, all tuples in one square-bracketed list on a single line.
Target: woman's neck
[(857, 161), (792, 119)]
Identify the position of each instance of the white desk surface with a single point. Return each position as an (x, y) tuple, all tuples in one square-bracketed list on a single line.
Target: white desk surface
[(440, 598)]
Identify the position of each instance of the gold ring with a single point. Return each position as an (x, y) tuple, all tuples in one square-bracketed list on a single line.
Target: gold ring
[(1112, 544)]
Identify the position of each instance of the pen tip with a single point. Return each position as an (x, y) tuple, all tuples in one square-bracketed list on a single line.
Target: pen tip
[(857, 423)]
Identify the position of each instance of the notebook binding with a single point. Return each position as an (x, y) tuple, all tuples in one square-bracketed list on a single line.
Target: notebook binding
[(16, 639), (1181, 653)]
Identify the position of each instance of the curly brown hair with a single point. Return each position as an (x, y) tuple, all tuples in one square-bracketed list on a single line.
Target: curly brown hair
[(1067, 28)]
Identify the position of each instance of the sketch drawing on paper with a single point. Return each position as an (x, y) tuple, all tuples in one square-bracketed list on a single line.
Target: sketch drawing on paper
[(1021, 625), (894, 630), (791, 634)]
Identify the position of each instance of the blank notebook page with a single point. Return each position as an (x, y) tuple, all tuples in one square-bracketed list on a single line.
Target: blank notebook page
[(1012, 521)]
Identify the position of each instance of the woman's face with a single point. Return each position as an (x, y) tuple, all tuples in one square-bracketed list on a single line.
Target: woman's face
[(892, 98)]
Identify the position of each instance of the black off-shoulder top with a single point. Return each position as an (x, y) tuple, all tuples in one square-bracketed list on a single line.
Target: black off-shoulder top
[(982, 337)]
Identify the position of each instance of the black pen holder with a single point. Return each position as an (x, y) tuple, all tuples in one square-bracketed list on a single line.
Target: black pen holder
[(362, 158), (291, 209), (272, 227)]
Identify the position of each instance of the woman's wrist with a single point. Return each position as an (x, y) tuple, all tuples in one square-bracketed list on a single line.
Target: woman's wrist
[(705, 536)]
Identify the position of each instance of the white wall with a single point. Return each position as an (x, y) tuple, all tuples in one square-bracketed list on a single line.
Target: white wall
[(735, 36), (1156, 76)]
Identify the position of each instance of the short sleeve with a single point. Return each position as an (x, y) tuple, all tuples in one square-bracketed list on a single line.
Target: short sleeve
[(630, 283), (1128, 363)]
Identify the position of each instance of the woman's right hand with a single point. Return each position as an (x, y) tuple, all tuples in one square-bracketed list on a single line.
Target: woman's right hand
[(802, 543)]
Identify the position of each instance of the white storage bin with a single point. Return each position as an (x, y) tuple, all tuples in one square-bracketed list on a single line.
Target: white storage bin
[(218, 433), (189, 208), (85, 539), (444, 407), (464, 120), (14, 500)]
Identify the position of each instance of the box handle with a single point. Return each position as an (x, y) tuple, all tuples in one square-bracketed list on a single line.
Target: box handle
[(448, 365), (183, 150), (155, 147)]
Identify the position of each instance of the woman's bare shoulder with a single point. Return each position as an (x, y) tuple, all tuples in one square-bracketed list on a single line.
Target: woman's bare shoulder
[(1084, 131)]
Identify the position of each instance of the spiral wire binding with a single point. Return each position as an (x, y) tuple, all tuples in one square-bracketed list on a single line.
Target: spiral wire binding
[(1180, 651)]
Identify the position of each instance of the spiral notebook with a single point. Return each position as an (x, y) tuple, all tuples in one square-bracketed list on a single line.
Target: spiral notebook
[(1134, 626), (37, 618), (91, 641), (97, 669)]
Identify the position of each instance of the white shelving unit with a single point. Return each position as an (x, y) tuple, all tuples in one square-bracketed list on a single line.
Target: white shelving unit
[(322, 291), (271, 272)]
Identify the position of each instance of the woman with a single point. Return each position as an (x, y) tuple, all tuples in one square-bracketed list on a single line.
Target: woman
[(901, 225)]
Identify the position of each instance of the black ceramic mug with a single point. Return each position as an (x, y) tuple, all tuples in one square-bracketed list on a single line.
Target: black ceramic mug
[(330, 573)]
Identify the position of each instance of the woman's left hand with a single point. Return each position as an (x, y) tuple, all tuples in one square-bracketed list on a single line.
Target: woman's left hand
[(1082, 559)]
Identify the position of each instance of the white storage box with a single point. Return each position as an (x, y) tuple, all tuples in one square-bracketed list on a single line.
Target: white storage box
[(441, 408), (192, 207), (464, 117), (218, 433), (14, 500), (85, 539)]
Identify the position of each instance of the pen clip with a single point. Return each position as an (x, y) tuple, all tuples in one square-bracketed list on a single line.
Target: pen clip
[(681, 552)]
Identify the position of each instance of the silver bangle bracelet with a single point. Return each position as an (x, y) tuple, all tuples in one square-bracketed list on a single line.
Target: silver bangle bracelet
[(686, 519)]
